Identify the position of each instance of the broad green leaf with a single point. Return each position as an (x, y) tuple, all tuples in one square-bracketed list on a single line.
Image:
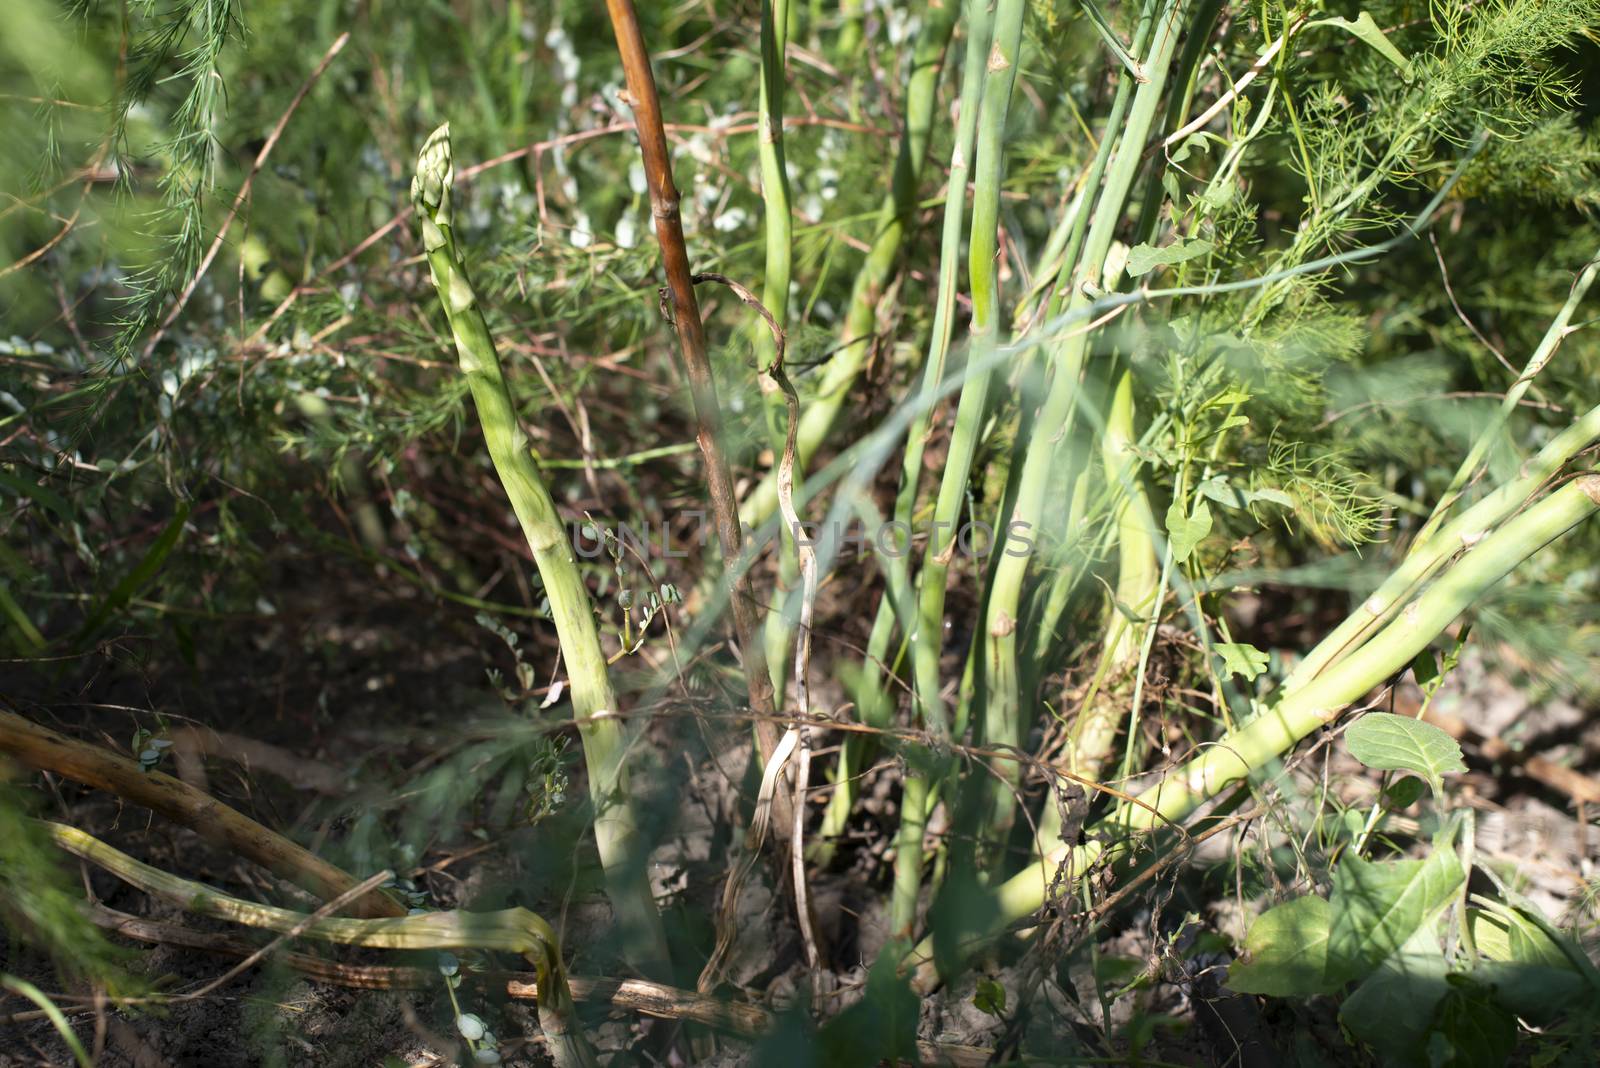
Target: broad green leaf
[(1364, 28), (1377, 905), (471, 1026), (1218, 489), (1288, 951), (1242, 659), (1143, 259), (1504, 935), (1425, 668), (1537, 992), (1195, 142), (1389, 742), (1529, 912), (1393, 1010), (1469, 1029), (1215, 196), (1271, 496), (1187, 531), (989, 998)]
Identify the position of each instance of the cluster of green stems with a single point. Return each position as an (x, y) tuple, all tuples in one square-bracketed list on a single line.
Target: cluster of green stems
[(1072, 433), (1076, 454)]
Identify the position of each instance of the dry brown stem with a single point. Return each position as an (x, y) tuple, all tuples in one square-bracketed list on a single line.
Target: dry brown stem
[(43, 749), (646, 104)]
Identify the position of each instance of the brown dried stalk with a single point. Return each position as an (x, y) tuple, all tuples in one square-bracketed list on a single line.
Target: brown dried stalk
[(635, 995), (642, 97), (43, 749)]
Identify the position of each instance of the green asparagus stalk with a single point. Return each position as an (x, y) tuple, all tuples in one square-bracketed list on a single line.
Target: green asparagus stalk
[(874, 706), (1426, 558), (927, 630), (1558, 330), (1132, 529), (1318, 702), (1138, 574), (775, 292), (1003, 713), (889, 230), (593, 701)]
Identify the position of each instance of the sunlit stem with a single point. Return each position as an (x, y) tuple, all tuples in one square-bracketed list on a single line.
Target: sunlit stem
[(594, 704)]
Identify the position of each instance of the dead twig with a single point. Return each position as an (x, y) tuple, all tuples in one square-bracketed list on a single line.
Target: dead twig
[(43, 749), (797, 739)]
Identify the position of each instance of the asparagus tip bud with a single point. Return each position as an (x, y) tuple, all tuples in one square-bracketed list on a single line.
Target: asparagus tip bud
[(430, 189)]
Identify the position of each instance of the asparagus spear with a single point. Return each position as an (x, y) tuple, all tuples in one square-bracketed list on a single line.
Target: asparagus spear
[(594, 703)]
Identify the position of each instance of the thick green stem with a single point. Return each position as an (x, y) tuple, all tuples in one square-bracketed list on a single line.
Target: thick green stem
[(893, 220), (1138, 574), (1460, 533), (874, 705), (593, 701), (927, 634), (1254, 746), (1003, 719), (775, 288), (1559, 329)]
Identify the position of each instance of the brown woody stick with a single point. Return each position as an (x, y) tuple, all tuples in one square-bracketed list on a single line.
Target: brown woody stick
[(43, 749), (629, 995), (651, 999), (646, 104)]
